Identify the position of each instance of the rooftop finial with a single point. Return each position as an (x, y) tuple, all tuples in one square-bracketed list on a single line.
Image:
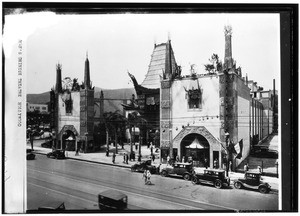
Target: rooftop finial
[(87, 54), (169, 36)]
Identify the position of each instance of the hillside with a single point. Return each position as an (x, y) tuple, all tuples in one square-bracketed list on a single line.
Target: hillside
[(109, 105)]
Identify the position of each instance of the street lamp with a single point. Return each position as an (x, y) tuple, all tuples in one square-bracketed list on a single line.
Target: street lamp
[(86, 140)]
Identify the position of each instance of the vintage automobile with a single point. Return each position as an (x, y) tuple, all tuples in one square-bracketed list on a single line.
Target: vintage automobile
[(29, 154), (145, 165), (112, 200), (53, 207), (252, 180), (56, 154), (211, 176), (178, 169)]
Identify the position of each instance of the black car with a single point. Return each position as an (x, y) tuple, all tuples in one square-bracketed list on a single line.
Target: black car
[(180, 169), (29, 154), (112, 200), (212, 176), (252, 180), (144, 165), (56, 154)]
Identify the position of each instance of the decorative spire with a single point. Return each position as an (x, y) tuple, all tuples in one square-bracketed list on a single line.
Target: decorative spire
[(228, 61), (58, 87), (87, 81)]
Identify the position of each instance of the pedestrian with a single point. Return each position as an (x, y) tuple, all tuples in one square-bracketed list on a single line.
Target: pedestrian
[(127, 157), (122, 144), (124, 158), (148, 144), (151, 148), (182, 160), (107, 152), (246, 168), (215, 163), (136, 146), (230, 166), (259, 169), (114, 157), (177, 158), (31, 140), (153, 157), (168, 159), (205, 163)]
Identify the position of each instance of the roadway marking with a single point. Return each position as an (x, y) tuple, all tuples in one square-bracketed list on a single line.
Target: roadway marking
[(62, 193), (204, 203)]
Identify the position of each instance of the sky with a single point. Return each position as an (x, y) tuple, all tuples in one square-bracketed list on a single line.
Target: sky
[(117, 43)]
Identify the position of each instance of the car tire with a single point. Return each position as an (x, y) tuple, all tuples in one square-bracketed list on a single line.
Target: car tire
[(195, 180), (164, 173), (218, 184), (186, 177), (237, 185), (263, 189)]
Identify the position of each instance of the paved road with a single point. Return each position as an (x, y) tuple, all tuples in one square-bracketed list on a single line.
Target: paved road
[(77, 184)]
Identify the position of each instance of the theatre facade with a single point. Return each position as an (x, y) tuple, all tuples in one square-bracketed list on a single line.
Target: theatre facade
[(213, 116)]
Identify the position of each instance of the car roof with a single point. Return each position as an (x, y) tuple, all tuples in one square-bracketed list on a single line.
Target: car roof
[(215, 170), (112, 194)]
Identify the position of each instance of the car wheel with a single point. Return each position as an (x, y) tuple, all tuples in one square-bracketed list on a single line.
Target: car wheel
[(263, 189), (237, 185), (186, 177), (218, 184), (164, 173), (195, 180)]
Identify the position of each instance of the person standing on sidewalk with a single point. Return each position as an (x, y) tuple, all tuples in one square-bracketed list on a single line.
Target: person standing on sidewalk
[(114, 157), (126, 158)]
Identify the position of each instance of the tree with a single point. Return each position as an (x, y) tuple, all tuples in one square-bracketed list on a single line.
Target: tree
[(113, 122), (215, 66), (135, 120)]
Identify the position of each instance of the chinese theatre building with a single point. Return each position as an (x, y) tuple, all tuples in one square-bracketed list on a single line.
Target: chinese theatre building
[(73, 109), (209, 117)]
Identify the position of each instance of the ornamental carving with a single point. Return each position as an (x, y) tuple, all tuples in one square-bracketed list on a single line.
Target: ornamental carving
[(165, 144), (165, 104), (82, 123), (194, 129), (69, 127), (165, 84), (165, 124)]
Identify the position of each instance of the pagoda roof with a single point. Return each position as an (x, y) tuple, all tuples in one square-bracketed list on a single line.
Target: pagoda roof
[(157, 66)]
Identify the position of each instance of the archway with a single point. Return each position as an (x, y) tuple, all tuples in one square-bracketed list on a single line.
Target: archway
[(68, 140), (196, 147)]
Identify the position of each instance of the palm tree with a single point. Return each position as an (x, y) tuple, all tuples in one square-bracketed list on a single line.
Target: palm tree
[(135, 120), (114, 122)]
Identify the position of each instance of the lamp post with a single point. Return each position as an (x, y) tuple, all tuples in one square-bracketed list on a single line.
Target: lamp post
[(276, 164), (86, 141)]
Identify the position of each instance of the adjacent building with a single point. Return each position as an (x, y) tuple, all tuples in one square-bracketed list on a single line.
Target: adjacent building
[(73, 109)]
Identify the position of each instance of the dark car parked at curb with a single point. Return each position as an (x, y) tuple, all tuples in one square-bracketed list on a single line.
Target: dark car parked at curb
[(56, 154), (29, 154), (212, 176), (254, 181), (144, 165), (178, 169)]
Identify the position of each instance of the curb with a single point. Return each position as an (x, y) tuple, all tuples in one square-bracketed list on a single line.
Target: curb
[(90, 161)]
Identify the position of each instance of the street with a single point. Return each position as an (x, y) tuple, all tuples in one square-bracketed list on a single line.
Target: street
[(77, 183)]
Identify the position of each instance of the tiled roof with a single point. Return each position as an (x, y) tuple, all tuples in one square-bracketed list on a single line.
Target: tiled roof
[(156, 67)]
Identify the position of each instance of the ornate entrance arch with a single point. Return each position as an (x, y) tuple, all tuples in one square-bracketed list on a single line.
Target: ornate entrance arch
[(214, 144)]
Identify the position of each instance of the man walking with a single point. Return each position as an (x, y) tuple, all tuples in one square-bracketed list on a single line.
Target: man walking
[(114, 157)]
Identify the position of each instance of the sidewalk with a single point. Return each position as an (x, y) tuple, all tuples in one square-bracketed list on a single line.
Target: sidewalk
[(100, 157)]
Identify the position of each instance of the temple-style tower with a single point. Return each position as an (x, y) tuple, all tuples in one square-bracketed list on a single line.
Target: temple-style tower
[(58, 86), (228, 60), (87, 107)]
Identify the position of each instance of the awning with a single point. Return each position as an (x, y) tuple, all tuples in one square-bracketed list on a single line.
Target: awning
[(195, 145)]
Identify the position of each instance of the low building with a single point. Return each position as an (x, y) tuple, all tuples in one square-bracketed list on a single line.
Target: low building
[(42, 108)]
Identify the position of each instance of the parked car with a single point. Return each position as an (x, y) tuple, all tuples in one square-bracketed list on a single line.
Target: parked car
[(211, 176), (254, 181), (29, 154), (112, 200), (56, 154), (179, 169), (143, 165)]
